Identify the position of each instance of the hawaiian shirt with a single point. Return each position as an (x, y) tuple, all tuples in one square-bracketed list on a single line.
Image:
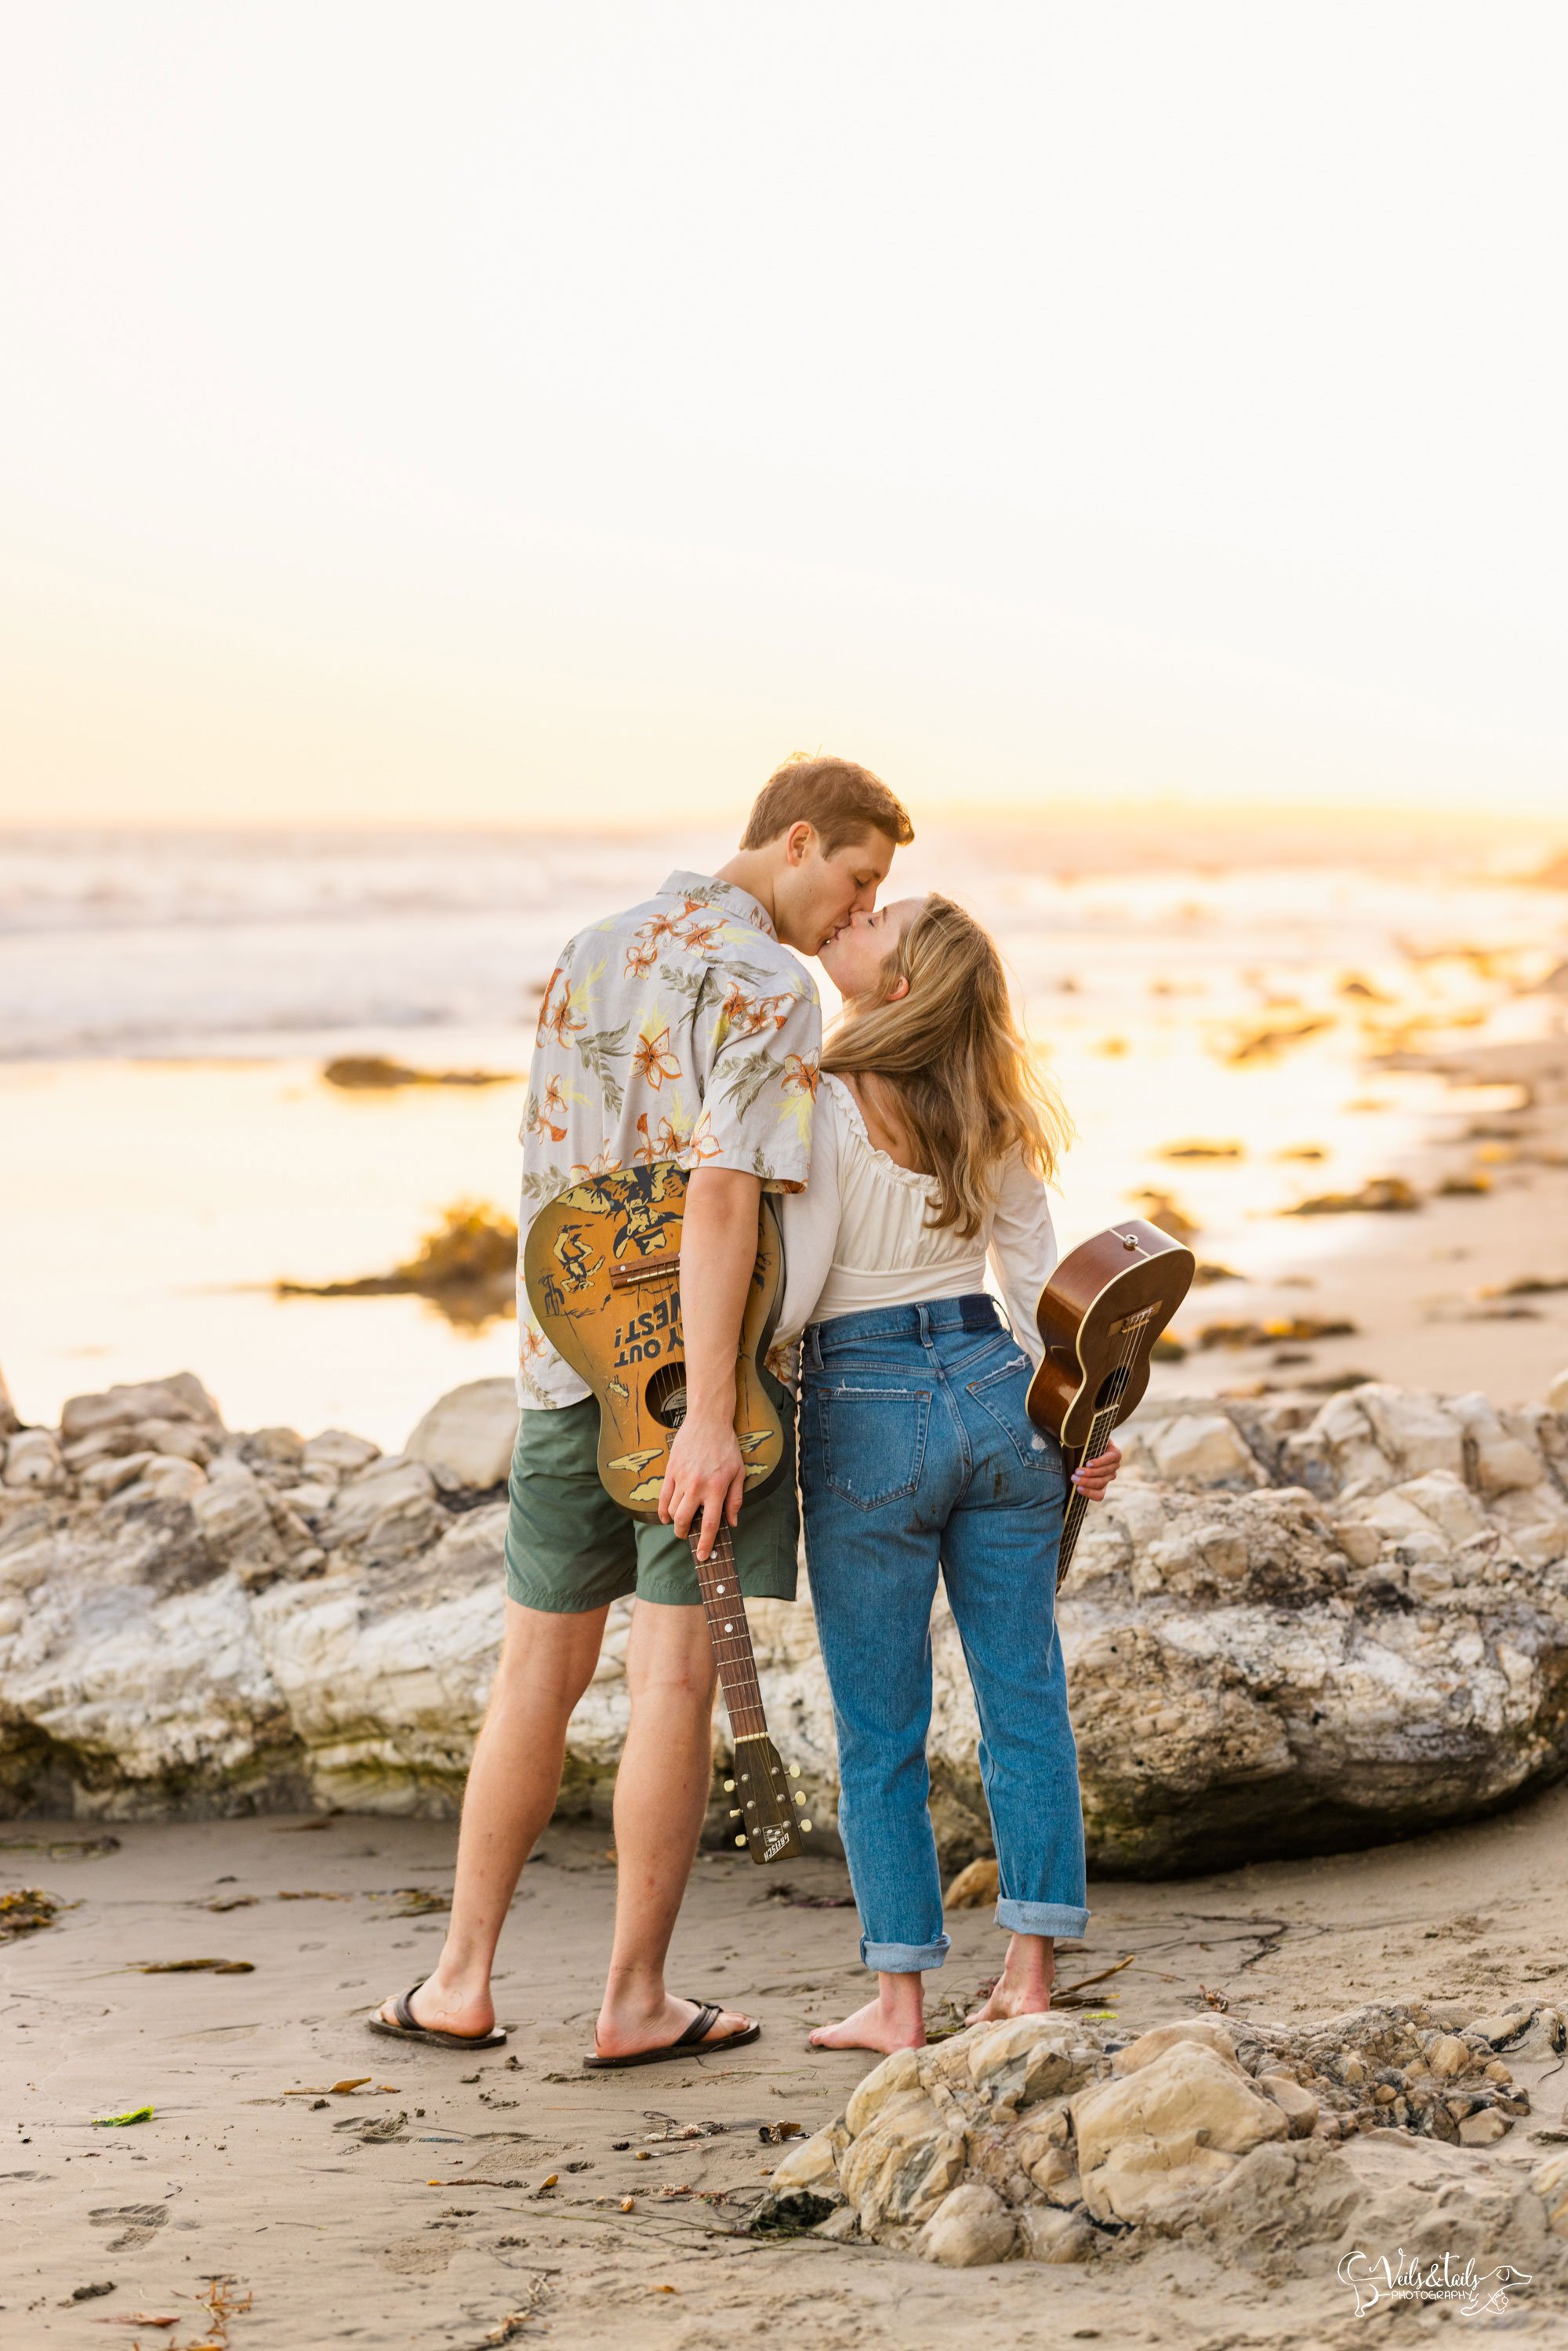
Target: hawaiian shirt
[(681, 1029)]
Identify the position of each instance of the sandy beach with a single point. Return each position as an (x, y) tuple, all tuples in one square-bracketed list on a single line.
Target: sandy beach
[(415, 2207), (438, 2201)]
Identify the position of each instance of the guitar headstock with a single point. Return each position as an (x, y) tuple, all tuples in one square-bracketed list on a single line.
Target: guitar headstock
[(767, 1807)]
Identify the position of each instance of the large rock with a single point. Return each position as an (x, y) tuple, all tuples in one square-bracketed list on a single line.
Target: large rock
[(1048, 2139), (1294, 1626), (470, 1433)]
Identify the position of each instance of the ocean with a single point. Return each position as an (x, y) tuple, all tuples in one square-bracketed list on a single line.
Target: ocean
[(168, 1002)]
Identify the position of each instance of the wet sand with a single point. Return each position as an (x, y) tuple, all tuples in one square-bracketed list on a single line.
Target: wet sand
[(1426, 1290), (434, 2233)]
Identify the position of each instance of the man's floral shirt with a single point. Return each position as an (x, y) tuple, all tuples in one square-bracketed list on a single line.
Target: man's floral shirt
[(681, 1029)]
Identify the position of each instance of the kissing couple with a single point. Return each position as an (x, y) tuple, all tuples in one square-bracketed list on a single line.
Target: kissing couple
[(915, 1146)]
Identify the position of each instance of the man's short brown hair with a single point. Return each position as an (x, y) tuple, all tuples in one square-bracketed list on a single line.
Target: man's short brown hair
[(844, 802)]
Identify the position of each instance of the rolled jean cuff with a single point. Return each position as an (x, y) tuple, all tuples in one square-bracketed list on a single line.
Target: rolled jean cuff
[(1063, 1918), (903, 1958)]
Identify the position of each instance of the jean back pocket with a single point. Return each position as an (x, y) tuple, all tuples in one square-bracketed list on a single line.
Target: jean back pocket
[(871, 1440)]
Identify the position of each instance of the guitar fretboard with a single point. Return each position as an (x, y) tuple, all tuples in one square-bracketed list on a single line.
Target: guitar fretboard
[(731, 1637), (1077, 1504)]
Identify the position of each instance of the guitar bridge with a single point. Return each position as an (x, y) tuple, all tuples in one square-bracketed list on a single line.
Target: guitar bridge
[(1133, 1322)]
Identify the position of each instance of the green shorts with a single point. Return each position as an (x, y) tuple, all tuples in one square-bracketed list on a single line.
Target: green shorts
[(570, 1547)]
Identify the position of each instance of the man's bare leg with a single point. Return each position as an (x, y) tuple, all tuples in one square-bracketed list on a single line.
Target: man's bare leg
[(547, 1662), (1023, 1988), (661, 1794), (895, 2019)]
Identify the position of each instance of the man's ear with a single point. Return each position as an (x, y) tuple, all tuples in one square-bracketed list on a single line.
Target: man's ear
[(798, 842)]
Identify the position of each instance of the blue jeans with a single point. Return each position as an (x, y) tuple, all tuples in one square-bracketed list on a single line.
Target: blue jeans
[(916, 1451)]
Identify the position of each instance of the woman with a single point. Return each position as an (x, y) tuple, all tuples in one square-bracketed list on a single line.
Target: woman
[(932, 1141)]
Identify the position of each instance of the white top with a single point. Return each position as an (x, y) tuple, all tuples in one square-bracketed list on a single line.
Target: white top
[(856, 1238)]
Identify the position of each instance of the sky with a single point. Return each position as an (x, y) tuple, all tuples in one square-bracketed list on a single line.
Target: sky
[(521, 414)]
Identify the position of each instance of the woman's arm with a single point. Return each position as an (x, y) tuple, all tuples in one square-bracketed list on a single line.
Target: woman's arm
[(1023, 1251), (810, 1223)]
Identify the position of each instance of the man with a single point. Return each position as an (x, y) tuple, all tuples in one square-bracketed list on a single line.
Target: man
[(682, 1030)]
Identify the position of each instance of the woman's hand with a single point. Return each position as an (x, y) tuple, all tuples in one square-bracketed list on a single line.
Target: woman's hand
[(1092, 1478)]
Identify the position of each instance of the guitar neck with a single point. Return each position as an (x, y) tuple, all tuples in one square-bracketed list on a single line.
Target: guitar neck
[(731, 1637), (1077, 1504)]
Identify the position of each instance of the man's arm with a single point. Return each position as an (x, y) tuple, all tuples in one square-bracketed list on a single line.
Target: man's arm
[(719, 1250)]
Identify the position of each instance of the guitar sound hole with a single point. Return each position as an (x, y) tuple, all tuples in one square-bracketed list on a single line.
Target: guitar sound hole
[(666, 1394), (1111, 1387)]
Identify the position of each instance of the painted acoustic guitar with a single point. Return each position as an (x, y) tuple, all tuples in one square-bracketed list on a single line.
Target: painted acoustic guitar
[(601, 1265), (1099, 1315)]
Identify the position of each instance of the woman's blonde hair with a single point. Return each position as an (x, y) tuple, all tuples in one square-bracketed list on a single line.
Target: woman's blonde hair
[(966, 1080)]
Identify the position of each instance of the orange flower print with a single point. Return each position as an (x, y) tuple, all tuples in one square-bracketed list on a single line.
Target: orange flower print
[(653, 1060), (703, 1144), (800, 1076), (600, 1164), (641, 957), (539, 1119), (703, 938), (747, 1014), (667, 1143), (530, 1342), (546, 1012), (556, 1019)]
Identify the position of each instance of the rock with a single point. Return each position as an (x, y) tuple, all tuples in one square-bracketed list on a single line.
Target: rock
[(1153, 2143), (470, 1431), (901, 2164), (181, 1398), (170, 1477), (1363, 1637), (387, 1511), (1026, 2058), (813, 2165), (107, 1477), (1448, 2057), (33, 1460), (1557, 1395), (1279, 2203), (973, 1887), (336, 1452), (901, 2071), (1048, 2235), (1298, 2106), (1505, 2024), (1204, 1449), (1206, 2030), (1549, 2180), (970, 2226)]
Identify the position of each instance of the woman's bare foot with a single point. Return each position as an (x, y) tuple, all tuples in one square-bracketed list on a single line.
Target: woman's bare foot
[(448, 2006), (654, 2024), (1023, 1988), (895, 2019)]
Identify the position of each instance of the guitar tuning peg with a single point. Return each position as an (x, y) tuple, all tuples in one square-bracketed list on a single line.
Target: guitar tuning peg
[(735, 1816), (740, 1841), (729, 1787), (805, 1825), (800, 1797), (794, 1770)]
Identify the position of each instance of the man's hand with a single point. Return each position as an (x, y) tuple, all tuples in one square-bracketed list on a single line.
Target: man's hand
[(705, 1475), (718, 1249), (1092, 1478)]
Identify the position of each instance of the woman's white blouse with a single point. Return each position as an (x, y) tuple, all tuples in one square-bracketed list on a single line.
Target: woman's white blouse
[(856, 1238)]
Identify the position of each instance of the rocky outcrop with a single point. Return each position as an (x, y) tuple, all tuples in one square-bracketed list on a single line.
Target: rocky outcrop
[(1049, 2138), (1295, 1626)]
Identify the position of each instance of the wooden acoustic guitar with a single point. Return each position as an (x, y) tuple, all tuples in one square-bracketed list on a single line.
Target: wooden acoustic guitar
[(601, 1265), (1099, 1315)]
